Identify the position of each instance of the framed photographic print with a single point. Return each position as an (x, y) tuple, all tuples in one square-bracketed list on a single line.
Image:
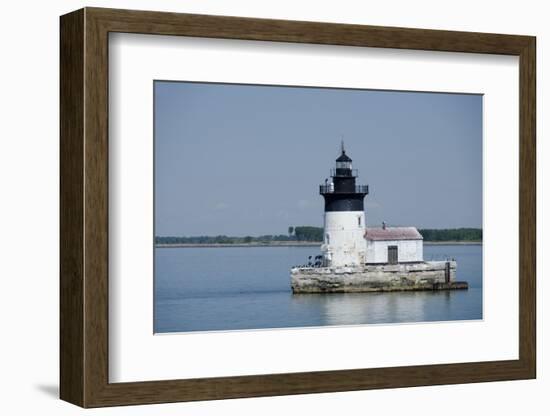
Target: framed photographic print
[(255, 207)]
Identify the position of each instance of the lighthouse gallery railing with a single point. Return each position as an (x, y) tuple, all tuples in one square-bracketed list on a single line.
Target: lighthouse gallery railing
[(329, 189)]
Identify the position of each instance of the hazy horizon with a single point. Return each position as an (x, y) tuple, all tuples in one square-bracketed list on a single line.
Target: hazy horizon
[(285, 232), (247, 160)]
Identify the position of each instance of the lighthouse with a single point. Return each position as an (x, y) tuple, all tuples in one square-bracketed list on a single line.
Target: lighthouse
[(344, 218), (357, 258)]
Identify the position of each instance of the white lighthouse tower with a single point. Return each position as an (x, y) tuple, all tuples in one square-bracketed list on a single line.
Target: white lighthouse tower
[(344, 239)]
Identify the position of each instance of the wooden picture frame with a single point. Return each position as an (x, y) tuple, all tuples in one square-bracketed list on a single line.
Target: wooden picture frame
[(84, 207)]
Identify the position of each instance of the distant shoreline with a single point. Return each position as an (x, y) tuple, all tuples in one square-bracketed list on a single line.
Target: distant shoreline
[(254, 244), (454, 243), (293, 244)]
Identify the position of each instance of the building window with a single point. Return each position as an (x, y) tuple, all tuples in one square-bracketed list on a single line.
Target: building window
[(327, 238), (359, 221)]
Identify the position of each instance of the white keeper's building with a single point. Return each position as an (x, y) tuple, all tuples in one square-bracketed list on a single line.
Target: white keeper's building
[(394, 245)]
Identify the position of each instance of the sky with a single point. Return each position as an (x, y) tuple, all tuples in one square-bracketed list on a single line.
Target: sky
[(242, 160)]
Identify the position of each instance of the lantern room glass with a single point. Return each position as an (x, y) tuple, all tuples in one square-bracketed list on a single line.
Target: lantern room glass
[(343, 165)]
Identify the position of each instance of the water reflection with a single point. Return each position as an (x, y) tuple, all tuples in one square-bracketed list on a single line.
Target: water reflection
[(384, 307)]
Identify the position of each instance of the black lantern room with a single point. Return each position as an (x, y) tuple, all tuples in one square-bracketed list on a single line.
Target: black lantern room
[(341, 193)]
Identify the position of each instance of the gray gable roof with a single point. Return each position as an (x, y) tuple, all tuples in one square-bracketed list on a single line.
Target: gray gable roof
[(392, 233)]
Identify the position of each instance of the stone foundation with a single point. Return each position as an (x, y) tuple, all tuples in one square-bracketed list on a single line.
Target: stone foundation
[(430, 275)]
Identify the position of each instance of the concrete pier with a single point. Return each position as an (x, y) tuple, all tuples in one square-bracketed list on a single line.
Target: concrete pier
[(429, 275)]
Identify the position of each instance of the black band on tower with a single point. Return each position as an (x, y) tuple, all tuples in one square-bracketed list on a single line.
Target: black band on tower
[(350, 203)]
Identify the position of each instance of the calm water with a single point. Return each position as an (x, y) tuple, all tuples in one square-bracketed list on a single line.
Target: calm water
[(205, 289)]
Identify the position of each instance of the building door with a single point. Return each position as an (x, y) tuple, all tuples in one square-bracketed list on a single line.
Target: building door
[(392, 255)]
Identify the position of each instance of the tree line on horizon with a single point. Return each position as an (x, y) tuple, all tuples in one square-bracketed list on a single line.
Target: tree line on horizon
[(315, 234)]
